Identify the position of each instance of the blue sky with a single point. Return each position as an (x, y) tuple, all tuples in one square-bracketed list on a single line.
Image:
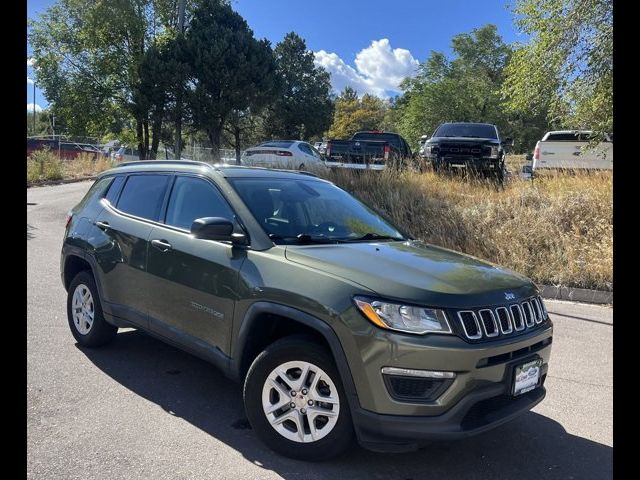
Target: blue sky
[(370, 45)]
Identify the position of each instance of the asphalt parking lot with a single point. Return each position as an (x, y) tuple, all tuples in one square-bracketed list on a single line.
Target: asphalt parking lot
[(141, 409)]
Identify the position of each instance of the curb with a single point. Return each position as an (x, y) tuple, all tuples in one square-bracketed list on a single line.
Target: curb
[(44, 183), (584, 295)]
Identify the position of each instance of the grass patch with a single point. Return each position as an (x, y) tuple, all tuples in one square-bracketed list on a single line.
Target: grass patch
[(44, 165), (557, 230)]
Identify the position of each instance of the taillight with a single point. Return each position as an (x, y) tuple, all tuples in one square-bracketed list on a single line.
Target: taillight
[(284, 153), (327, 150), (386, 152), (536, 152)]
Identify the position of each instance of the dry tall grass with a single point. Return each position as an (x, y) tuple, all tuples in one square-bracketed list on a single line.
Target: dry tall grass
[(557, 230), (45, 165)]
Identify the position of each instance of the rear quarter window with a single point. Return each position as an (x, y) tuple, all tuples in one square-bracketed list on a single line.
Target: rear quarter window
[(95, 193)]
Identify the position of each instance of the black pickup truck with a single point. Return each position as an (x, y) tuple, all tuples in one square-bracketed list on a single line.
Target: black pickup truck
[(368, 150), (468, 146)]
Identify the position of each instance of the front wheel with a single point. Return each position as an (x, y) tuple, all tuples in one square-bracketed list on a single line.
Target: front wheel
[(295, 402)]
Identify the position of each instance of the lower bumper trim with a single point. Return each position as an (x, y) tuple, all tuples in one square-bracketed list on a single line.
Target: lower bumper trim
[(478, 412)]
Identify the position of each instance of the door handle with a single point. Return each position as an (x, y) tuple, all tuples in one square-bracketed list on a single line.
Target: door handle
[(103, 225), (161, 245)]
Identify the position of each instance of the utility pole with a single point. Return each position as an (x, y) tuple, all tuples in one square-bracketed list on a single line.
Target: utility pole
[(34, 107), (178, 146)]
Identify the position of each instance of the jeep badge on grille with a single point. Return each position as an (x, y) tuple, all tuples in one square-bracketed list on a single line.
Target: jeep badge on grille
[(509, 296)]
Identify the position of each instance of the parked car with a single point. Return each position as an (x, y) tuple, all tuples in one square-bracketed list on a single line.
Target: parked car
[(66, 150), (126, 154), (373, 150), (467, 146), (570, 149), (321, 147), (423, 140), (283, 153), (339, 325)]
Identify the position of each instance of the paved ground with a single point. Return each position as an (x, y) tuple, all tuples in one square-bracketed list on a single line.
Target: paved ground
[(141, 409)]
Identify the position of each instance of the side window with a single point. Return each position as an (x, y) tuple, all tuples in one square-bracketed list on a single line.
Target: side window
[(114, 190), (305, 148), (142, 195), (193, 198), (96, 192)]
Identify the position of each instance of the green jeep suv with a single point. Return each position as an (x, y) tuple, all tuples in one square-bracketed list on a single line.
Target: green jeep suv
[(338, 324)]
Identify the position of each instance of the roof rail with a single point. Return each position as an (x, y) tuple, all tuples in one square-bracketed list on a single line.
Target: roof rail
[(163, 162)]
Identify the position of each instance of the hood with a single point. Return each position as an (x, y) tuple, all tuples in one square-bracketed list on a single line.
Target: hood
[(416, 272)]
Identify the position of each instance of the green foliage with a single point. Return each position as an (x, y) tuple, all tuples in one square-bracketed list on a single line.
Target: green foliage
[(43, 123), (303, 109), (230, 69), (465, 89), (565, 70), (353, 114)]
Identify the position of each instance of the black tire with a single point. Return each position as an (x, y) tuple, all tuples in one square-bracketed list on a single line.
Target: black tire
[(100, 332), (296, 348)]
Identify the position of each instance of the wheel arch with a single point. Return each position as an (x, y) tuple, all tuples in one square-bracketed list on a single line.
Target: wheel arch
[(265, 322)]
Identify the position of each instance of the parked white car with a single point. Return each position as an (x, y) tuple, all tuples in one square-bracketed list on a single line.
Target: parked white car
[(292, 154), (568, 149)]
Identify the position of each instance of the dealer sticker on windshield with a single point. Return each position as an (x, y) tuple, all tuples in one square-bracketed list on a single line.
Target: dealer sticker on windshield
[(527, 377)]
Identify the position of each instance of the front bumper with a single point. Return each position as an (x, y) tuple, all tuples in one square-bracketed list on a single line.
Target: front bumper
[(467, 162), (482, 410)]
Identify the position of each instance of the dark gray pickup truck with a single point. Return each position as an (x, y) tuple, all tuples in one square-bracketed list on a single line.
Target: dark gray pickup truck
[(368, 150), (468, 146)]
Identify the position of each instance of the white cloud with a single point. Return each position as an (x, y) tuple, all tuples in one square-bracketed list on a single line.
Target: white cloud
[(30, 107), (379, 68), (29, 81), (30, 62)]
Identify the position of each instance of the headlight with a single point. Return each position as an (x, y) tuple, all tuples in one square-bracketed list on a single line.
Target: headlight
[(403, 318), (494, 152)]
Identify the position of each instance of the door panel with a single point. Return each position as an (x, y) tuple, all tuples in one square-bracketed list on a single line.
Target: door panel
[(193, 286), (192, 282), (120, 251)]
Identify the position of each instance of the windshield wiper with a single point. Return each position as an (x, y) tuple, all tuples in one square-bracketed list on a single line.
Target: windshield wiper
[(304, 238), (374, 236)]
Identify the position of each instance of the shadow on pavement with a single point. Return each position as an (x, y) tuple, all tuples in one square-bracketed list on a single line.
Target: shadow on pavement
[(530, 447)]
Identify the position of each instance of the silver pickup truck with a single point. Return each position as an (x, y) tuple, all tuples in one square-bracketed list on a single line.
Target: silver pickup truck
[(570, 149)]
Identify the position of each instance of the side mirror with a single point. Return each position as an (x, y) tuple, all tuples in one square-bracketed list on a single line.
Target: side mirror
[(527, 169), (216, 228), (507, 142)]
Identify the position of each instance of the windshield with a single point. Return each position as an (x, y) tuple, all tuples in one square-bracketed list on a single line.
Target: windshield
[(472, 130), (305, 210)]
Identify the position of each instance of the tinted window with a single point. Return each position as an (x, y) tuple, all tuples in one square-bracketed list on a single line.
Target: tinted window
[(471, 130), (277, 144), (562, 137), (96, 192), (114, 190), (308, 150), (142, 195), (392, 138), (193, 198)]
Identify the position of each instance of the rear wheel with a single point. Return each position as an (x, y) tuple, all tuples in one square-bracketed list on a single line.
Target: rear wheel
[(295, 402), (84, 312)]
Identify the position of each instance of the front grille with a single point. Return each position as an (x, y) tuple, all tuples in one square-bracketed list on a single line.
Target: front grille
[(501, 321)]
